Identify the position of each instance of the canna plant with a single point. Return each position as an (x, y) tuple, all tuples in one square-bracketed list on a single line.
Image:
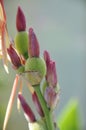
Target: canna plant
[(39, 72)]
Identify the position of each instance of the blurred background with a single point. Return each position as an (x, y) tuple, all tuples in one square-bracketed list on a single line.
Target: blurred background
[(60, 26)]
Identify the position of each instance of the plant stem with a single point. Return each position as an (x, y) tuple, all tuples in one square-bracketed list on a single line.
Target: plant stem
[(47, 113)]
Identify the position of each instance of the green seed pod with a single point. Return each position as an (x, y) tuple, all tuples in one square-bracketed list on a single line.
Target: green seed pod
[(36, 70), (39, 125), (21, 43)]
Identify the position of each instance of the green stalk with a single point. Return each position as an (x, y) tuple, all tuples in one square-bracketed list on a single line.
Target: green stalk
[(47, 113)]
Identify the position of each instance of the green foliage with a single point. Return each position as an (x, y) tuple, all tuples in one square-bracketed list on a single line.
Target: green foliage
[(2, 114), (69, 119)]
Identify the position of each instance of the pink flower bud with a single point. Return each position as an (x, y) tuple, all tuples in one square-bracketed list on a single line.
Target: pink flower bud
[(46, 58), (20, 20), (15, 59), (51, 97), (27, 110), (51, 75), (37, 104), (33, 44)]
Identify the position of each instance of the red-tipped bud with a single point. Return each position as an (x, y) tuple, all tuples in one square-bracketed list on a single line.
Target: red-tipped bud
[(15, 59), (27, 110), (46, 58), (51, 97), (20, 20), (37, 104), (33, 44), (51, 75)]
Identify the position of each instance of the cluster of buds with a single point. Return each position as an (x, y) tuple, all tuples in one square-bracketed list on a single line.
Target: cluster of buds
[(51, 90), (40, 73)]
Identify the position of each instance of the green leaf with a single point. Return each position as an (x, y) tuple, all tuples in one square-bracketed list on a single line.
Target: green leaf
[(70, 119)]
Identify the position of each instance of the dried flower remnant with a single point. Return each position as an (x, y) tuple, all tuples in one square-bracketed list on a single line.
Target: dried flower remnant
[(10, 102), (4, 39), (3, 11)]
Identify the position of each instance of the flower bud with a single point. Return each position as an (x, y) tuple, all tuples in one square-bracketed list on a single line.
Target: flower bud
[(46, 58), (51, 97), (27, 110), (37, 104), (51, 75), (15, 59), (20, 20), (36, 70), (38, 125), (33, 44)]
